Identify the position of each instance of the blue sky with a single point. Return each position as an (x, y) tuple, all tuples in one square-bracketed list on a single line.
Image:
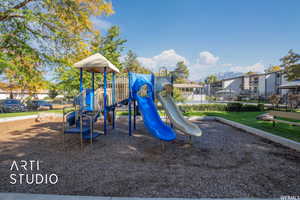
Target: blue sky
[(210, 36)]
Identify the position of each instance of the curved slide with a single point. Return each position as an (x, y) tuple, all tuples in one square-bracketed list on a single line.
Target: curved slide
[(148, 109), (152, 119), (177, 118)]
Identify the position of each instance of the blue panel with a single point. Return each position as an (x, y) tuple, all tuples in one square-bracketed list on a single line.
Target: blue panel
[(89, 98), (71, 119), (145, 78), (104, 100), (138, 84), (80, 81)]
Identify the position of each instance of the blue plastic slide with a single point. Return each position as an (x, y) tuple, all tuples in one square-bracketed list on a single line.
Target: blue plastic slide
[(149, 112)]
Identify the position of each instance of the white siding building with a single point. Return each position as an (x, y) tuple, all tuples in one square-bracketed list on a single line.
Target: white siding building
[(255, 86), (234, 84)]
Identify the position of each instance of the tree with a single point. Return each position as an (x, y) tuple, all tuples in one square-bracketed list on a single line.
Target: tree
[(274, 99), (9, 88), (181, 72), (274, 68), (109, 46), (211, 79), (133, 65), (178, 96), (250, 73), (291, 65), (293, 100), (47, 29), (53, 90), (26, 74), (35, 34)]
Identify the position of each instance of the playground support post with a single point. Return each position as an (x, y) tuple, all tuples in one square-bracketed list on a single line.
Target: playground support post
[(129, 104), (172, 94), (153, 86), (113, 99), (80, 97), (80, 81), (134, 114), (172, 83), (93, 89), (104, 99)]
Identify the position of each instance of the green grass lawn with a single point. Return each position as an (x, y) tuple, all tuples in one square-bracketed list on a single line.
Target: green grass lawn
[(3, 115), (249, 119)]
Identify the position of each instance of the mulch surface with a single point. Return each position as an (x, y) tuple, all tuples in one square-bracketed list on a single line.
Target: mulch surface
[(223, 162)]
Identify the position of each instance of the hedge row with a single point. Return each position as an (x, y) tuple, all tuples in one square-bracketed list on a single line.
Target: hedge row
[(231, 107)]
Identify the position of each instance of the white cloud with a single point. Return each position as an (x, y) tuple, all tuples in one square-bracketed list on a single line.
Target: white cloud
[(207, 63), (207, 58), (258, 67), (100, 23), (147, 62), (199, 71), (167, 58), (227, 65)]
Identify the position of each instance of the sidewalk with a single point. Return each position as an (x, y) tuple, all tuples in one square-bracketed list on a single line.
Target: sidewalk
[(23, 196)]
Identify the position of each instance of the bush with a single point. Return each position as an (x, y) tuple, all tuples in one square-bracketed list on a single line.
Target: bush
[(203, 107), (250, 108), (210, 98), (177, 95), (230, 107), (234, 107), (261, 107)]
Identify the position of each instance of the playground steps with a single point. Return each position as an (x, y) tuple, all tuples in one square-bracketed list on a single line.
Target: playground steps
[(88, 136), (76, 130), (85, 132)]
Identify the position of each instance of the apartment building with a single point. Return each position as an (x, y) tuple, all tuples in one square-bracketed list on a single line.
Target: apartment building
[(235, 85), (253, 86), (212, 88)]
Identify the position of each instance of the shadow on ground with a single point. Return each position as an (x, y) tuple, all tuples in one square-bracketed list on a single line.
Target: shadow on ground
[(224, 162)]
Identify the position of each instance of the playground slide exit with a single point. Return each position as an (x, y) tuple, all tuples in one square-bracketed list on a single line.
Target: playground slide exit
[(176, 116), (153, 121)]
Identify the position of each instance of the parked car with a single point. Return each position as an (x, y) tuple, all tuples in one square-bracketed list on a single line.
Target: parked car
[(11, 105), (39, 105)]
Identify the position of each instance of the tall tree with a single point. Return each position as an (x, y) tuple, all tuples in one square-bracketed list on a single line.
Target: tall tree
[(133, 65), (110, 46), (211, 79), (291, 65), (250, 73), (274, 68), (181, 72), (26, 74), (35, 34)]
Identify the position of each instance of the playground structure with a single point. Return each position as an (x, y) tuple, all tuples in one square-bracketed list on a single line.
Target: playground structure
[(134, 90)]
